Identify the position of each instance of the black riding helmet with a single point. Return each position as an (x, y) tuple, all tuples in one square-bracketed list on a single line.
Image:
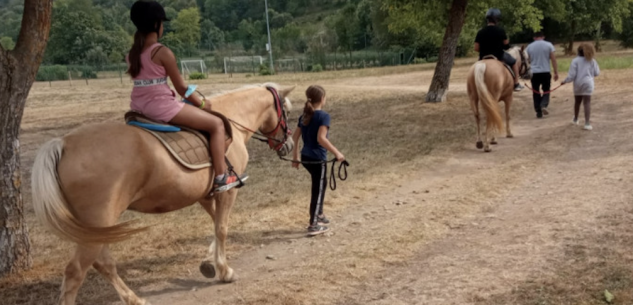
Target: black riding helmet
[(493, 15), (147, 16)]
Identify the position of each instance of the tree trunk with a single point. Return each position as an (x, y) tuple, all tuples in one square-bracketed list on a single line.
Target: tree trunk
[(599, 37), (439, 84), (17, 73), (569, 50)]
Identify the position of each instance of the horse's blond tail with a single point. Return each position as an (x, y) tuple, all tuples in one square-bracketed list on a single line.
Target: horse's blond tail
[(52, 210), (491, 107)]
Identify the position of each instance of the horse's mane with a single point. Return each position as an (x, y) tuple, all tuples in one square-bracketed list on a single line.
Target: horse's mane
[(246, 87), (287, 103)]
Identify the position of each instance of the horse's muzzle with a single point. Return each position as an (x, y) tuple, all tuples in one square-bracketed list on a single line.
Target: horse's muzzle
[(286, 148)]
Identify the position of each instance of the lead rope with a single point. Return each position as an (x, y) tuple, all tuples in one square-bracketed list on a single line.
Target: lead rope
[(342, 169)]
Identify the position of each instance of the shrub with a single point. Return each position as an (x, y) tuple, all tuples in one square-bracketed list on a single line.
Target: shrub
[(51, 73), (87, 72), (264, 70), (197, 75), (317, 68)]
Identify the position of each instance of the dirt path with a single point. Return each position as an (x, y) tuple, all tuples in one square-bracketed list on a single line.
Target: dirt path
[(544, 219)]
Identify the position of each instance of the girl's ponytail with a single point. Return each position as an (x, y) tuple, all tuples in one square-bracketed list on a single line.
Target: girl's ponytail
[(134, 57), (315, 95), (308, 112)]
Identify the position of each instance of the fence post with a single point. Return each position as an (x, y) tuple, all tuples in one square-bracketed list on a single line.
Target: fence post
[(70, 78)]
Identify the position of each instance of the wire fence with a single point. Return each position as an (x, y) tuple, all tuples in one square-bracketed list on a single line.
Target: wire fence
[(254, 64)]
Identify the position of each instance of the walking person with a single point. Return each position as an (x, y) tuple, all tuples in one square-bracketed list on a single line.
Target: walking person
[(540, 53), (582, 71), (313, 128)]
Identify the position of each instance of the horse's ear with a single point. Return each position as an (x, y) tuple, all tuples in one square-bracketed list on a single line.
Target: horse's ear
[(286, 91)]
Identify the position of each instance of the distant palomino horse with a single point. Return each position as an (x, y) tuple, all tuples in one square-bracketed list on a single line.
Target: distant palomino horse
[(84, 181), (490, 82)]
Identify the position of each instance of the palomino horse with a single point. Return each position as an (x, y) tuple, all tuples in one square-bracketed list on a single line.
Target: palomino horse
[(85, 180), (490, 82)]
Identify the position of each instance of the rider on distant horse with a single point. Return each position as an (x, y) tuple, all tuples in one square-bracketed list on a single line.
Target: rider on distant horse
[(492, 40)]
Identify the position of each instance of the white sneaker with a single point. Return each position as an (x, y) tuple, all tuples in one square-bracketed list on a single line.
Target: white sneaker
[(574, 121), (588, 127)]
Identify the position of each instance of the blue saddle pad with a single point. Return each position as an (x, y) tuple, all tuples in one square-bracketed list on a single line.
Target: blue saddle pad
[(155, 127)]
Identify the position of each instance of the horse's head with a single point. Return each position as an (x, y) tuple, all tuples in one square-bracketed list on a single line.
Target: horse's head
[(525, 70), (277, 122)]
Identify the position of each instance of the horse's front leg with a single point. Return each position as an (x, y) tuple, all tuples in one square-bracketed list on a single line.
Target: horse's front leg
[(224, 203), (207, 267)]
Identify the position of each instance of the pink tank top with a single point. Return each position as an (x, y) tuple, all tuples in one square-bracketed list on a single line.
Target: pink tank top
[(151, 94)]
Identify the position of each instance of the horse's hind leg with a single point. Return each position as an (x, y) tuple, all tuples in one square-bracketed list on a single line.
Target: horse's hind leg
[(487, 138), (508, 102), (75, 272), (474, 103), (107, 267)]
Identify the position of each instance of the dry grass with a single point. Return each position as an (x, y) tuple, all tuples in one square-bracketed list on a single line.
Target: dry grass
[(386, 132)]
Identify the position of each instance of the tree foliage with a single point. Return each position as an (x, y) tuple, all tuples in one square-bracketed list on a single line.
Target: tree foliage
[(89, 27), (429, 18)]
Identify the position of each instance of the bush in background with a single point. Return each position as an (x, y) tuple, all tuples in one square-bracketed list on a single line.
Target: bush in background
[(197, 75), (51, 73), (264, 70)]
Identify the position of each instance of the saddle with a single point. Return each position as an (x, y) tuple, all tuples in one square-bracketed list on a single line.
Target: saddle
[(504, 64), (189, 147)]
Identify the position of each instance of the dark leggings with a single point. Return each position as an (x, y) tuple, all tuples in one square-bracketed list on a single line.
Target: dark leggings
[(318, 172), (586, 100)]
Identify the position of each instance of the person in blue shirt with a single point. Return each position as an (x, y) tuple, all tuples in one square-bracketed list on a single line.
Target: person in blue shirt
[(313, 128)]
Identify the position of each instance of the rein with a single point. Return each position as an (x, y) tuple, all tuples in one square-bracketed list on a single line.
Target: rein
[(539, 92), (342, 169)]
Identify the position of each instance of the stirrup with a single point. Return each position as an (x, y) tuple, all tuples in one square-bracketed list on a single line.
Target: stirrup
[(231, 170)]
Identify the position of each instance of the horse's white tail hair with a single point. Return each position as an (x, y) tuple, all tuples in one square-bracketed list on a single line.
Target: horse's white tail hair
[(51, 208), (491, 106)]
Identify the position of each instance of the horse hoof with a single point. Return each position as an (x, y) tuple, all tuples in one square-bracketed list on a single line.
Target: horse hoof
[(487, 150), (480, 145), (493, 142), (207, 269), (510, 136)]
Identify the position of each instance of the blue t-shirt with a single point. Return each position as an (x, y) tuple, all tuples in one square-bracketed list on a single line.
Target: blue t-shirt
[(310, 135)]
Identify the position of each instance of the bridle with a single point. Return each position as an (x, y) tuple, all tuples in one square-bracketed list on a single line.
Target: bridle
[(282, 123)]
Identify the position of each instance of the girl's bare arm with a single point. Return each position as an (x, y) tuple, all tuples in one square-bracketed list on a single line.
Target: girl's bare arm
[(168, 60), (323, 140)]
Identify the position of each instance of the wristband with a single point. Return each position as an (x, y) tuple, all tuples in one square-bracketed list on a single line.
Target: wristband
[(190, 90), (202, 105)]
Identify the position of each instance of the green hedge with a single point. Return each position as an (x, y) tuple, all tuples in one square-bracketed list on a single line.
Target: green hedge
[(51, 73), (197, 75)]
